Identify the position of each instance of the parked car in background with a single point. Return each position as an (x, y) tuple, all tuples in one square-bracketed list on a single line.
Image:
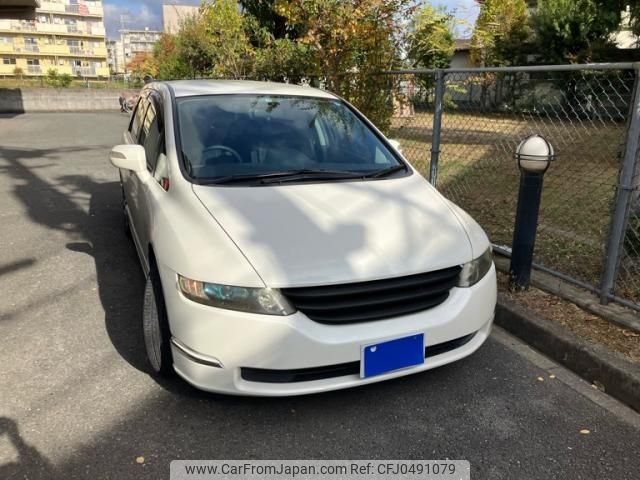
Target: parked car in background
[(288, 246)]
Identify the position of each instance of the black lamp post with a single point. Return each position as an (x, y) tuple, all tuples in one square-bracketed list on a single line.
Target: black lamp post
[(534, 155)]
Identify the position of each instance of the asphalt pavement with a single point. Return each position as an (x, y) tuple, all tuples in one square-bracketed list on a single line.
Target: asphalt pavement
[(77, 400)]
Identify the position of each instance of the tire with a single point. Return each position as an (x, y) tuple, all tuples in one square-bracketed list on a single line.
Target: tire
[(155, 325)]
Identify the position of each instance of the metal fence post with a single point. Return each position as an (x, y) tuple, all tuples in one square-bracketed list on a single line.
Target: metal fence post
[(437, 127), (623, 196)]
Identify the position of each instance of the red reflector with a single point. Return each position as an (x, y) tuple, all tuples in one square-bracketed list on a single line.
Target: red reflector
[(164, 182)]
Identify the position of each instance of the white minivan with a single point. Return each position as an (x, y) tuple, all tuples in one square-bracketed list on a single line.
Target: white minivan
[(288, 246)]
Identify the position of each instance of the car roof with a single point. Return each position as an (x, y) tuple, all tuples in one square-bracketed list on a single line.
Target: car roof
[(190, 88)]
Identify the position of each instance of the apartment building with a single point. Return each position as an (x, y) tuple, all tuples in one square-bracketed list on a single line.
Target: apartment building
[(18, 8), (66, 35), (131, 43), (113, 60), (174, 15)]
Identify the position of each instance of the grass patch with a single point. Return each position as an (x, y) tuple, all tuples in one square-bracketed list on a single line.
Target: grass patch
[(40, 82)]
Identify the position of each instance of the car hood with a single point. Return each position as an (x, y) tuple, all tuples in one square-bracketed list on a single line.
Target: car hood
[(325, 233)]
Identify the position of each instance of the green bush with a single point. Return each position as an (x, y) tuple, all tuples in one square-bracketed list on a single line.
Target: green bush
[(51, 78), (65, 80), (54, 79)]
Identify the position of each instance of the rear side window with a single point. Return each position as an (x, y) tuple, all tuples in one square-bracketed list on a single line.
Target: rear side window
[(138, 118), (151, 137)]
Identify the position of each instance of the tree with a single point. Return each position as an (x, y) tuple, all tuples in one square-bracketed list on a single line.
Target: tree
[(226, 38), (283, 60), (193, 47), (142, 64), (634, 16), (349, 43), (170, 64), (501, 33), (51, 78), (430, 41), (572, 31), (268, 18)]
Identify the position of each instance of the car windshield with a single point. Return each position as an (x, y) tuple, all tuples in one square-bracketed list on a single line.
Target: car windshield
[(238, 136)]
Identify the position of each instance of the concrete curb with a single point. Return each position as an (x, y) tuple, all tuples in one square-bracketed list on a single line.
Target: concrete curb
[(596, 364)]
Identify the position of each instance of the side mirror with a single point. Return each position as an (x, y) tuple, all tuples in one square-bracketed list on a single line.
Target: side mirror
[(396, 144), (129, 157)]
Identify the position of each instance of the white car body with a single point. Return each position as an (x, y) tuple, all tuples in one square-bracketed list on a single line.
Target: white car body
[(292, 236)]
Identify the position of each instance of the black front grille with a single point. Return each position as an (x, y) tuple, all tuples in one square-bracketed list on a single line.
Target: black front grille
[(374, 300), (332, 371)]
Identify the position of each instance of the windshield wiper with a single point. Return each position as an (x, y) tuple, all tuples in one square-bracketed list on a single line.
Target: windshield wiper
[(288, 176), (386, 171)]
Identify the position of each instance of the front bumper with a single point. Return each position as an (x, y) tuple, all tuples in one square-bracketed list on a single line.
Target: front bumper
[(204, 336)]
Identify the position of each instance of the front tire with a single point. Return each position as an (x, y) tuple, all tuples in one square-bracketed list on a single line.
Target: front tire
[(155, 323)]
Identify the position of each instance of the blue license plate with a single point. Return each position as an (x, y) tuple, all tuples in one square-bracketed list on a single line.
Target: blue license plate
[(390, 355)]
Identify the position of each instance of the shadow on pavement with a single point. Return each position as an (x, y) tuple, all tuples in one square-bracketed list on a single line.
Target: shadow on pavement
[(28, 458), (98, 233), (15, 266)]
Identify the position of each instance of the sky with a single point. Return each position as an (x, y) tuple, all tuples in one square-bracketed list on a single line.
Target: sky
[(139, 13), (148, 13)]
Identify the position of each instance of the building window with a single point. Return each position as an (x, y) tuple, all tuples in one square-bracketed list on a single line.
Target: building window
[(33, 61), (9, 61), (5, 40)]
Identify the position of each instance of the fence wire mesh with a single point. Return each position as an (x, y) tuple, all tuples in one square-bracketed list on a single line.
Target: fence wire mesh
[(584, 114)]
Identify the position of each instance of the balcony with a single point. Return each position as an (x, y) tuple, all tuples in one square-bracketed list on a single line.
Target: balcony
[(90, 10), (31, 49), (52, 28), (84, 71), (34, 70)]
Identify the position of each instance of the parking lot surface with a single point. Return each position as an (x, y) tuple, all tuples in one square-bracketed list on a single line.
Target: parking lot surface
[(77, 400)]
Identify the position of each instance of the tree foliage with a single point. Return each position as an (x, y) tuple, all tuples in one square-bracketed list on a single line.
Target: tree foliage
[(141, 65), (283, 60), (430, 41), (194, 48), (226, 38), (571, 31), (349, 42), (268, 18), (501, 33), (168, 59)]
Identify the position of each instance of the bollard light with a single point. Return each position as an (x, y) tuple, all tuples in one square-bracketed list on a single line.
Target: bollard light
[(534, 156)]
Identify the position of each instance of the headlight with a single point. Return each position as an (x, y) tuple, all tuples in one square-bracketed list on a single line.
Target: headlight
[(254, 300), (475, 270)]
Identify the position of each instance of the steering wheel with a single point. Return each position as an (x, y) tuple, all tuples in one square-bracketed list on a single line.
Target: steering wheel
[(229, 151)]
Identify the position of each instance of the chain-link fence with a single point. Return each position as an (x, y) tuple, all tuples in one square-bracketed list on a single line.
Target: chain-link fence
[(589, 227)]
